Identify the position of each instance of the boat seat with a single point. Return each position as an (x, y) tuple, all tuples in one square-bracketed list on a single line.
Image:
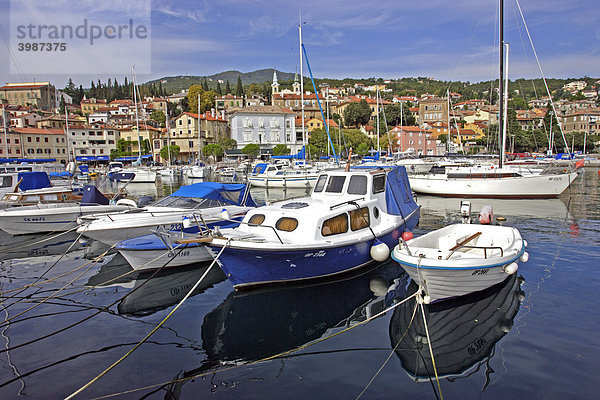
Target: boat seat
[(446, 242)]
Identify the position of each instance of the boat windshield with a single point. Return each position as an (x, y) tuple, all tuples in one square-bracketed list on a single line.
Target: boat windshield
[(188, 202)]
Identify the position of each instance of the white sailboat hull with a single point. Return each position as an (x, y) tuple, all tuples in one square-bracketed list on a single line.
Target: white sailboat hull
[(527, 186)]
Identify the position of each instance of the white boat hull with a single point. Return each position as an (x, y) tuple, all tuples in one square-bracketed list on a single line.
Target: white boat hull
[(48, 218), (444, 272), (154, 259), (528, 186), (300, 181)]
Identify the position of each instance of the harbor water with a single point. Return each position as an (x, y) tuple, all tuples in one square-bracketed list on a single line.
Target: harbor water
[(72, 309)]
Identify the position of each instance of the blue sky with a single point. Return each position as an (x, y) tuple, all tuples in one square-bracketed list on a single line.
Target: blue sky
[(449, 40)]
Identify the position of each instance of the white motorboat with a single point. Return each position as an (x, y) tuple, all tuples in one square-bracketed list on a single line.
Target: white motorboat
[(135, 175), (58, 216), (276, 175), (196, 171), (461, 258), (199, 200)]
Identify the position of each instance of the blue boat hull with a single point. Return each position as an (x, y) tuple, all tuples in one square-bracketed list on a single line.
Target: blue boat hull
[(246, 268)]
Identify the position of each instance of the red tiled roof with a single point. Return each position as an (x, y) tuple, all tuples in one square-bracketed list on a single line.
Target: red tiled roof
[(42, 131), (21, 87)]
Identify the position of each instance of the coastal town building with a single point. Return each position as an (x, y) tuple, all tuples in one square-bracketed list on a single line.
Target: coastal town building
[(413, 139), (266, 126), (89, 106), (41, 95), (585, 120), (191, 134), (92, 140), (432, 110)]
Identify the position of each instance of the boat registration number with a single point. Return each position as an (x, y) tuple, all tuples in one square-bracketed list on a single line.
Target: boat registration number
[(34, 219), (183, 253), (176, 227), (479, 272)]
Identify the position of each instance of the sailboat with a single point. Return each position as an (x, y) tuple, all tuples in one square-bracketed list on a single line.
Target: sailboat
[(136, 174), (495, 181)]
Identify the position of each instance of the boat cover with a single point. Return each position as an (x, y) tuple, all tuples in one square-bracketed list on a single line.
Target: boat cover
[(91, 195), (230, 193), (34, 180), (260, 168), (398, 196)]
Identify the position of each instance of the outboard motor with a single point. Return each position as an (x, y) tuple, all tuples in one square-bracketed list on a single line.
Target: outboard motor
[(486, 215), (465, 211)]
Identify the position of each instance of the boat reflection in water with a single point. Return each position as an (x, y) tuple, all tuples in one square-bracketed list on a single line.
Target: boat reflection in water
[(250, 326), (151, 293), (38, 245), (463, 331)]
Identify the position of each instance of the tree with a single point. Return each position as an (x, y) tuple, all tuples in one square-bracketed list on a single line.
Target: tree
[(239, 90), (158, 116), (227, 143), (164, 152), (213, 149), (62, 104), (192, 97), (251, 150), (207, 101), (205, 85), (281, 150), (393, 112), (219, 91), (227, 87), (357, 113)]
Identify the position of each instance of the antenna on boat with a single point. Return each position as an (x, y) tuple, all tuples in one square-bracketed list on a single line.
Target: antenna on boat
[(501, 90)]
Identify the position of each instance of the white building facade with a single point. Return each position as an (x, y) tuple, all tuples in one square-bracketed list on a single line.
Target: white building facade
[(267, 126)]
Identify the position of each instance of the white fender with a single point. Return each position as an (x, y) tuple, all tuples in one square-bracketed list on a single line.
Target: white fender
[(525, 256), (511, 268), (126, 202), (380, 251)]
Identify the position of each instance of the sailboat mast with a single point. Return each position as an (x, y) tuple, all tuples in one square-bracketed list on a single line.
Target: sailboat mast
[(302, 85), (137, 117), (501, 134), (168, 135), (505, 101), (5, 133), (66, 131), (377, 106), (448, 120)]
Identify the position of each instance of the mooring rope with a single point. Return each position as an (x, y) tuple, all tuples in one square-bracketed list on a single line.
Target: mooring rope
[(103, 309), (45, 272), (188, 294), (282, 354), (391, 353), (430, 349)]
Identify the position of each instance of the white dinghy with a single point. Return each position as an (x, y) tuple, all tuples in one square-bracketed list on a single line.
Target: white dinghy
[(460, 259)]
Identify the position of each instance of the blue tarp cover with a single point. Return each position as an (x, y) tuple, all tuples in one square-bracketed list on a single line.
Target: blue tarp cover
[(225, 192), (260, 168), (61, 174), (301, 154), (398, 196), (34, 180), (91, 195)]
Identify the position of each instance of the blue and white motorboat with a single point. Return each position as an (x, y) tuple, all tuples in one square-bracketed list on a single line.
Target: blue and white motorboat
[(202, 201), (350, 219)]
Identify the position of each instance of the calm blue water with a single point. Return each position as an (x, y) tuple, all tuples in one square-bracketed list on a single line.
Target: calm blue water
[(532, 338)]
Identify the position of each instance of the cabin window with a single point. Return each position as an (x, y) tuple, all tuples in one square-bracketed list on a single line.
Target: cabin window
[(378, 183), (335, 184), (6, 181), (357, 185), (335, 225), (286, 224), (256, 219), (320, 183), (359, 219)]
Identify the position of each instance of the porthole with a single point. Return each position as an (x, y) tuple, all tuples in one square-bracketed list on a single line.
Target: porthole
[(376, 212), (256, 219)]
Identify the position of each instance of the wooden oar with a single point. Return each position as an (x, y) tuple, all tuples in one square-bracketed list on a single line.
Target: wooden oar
[(462, 243), (195, 240)]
